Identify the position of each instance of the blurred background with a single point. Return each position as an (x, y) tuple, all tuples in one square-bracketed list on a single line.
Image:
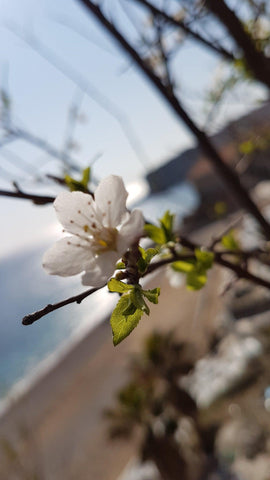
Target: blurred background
[(71, 98)]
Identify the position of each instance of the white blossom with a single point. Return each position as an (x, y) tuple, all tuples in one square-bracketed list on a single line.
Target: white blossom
[(101, 232)]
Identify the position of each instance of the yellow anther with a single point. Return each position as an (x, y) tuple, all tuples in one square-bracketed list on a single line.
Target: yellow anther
[(102, 243), (86, 228)]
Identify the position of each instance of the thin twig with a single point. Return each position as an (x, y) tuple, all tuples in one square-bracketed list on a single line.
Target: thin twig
[(224, 231), (219, 260), (37, 199), (183, 26), (33, 317), (90, 90)]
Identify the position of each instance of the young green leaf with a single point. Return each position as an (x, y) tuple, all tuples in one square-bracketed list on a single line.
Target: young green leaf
[(120, 266), (184, 266), (229, 241), (86, 176), (152, 295), (118, 286), (195, 281), (137, 300), (124, 318), (155, 233), (205, 259), (78, 185), (166, 223), (146, 257)]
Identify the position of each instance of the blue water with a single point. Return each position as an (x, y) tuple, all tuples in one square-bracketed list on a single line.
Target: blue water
[(25, 287)]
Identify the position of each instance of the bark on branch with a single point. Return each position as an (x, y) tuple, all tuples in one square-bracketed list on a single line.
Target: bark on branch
[(256, 60), (229, 177)]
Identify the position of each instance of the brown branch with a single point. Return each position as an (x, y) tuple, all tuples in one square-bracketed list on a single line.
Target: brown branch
[(180, 24), (37, 199), (166, 261), (219, 260), (227, 174), (33, 317), (241, 272), (258, 63)]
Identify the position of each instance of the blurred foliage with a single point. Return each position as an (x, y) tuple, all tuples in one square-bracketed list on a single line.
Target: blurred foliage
[(79, 185)]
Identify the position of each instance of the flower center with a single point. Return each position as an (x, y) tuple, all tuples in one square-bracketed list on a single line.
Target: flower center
[(105, 241)]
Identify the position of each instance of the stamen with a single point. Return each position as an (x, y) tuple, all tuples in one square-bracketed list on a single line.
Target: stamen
[(103, 243)]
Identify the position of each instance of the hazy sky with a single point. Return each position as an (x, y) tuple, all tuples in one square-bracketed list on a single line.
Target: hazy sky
[(41, 97)]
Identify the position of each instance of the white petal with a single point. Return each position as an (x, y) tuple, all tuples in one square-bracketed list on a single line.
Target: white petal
[(102, 269), (110, 197), (76, 212), (130, 231), (68, 256)]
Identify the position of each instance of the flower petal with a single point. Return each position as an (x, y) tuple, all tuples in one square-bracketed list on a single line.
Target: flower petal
[(110, 197), (68, 256), (76, 212), (101, 270), (130, 231)]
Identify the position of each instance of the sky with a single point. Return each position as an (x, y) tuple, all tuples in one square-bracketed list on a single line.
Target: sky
[(41, 97)]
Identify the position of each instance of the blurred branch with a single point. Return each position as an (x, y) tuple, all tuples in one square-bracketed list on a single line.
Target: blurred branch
[(66, 22), (37, 199), (17, 133), (33, 317), (18, 161), (72, 117), (238, 270), (258, 63), (226, 173), (181, 24), (90, 90)]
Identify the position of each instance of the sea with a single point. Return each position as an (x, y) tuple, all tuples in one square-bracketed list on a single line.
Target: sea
[(26, 351)]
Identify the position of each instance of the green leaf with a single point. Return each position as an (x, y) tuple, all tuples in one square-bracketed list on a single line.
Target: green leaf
[(86, 176), (137, 300), (246, 148), (118, 286), (146, 257), (152, 295), (205, 259), (131, 309), (155, 233), (78, 185), (166, 223), (120, 266), (229, 241), (184, 266), (124, 319), (220, 208), (195, 281)]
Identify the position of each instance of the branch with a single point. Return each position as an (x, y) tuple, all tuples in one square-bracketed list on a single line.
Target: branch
[(227, 174), (43, 145), (241, 272), (180, 24), (237, 269), (37, 199), (258, 63), (91, 91), (33, 317)]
